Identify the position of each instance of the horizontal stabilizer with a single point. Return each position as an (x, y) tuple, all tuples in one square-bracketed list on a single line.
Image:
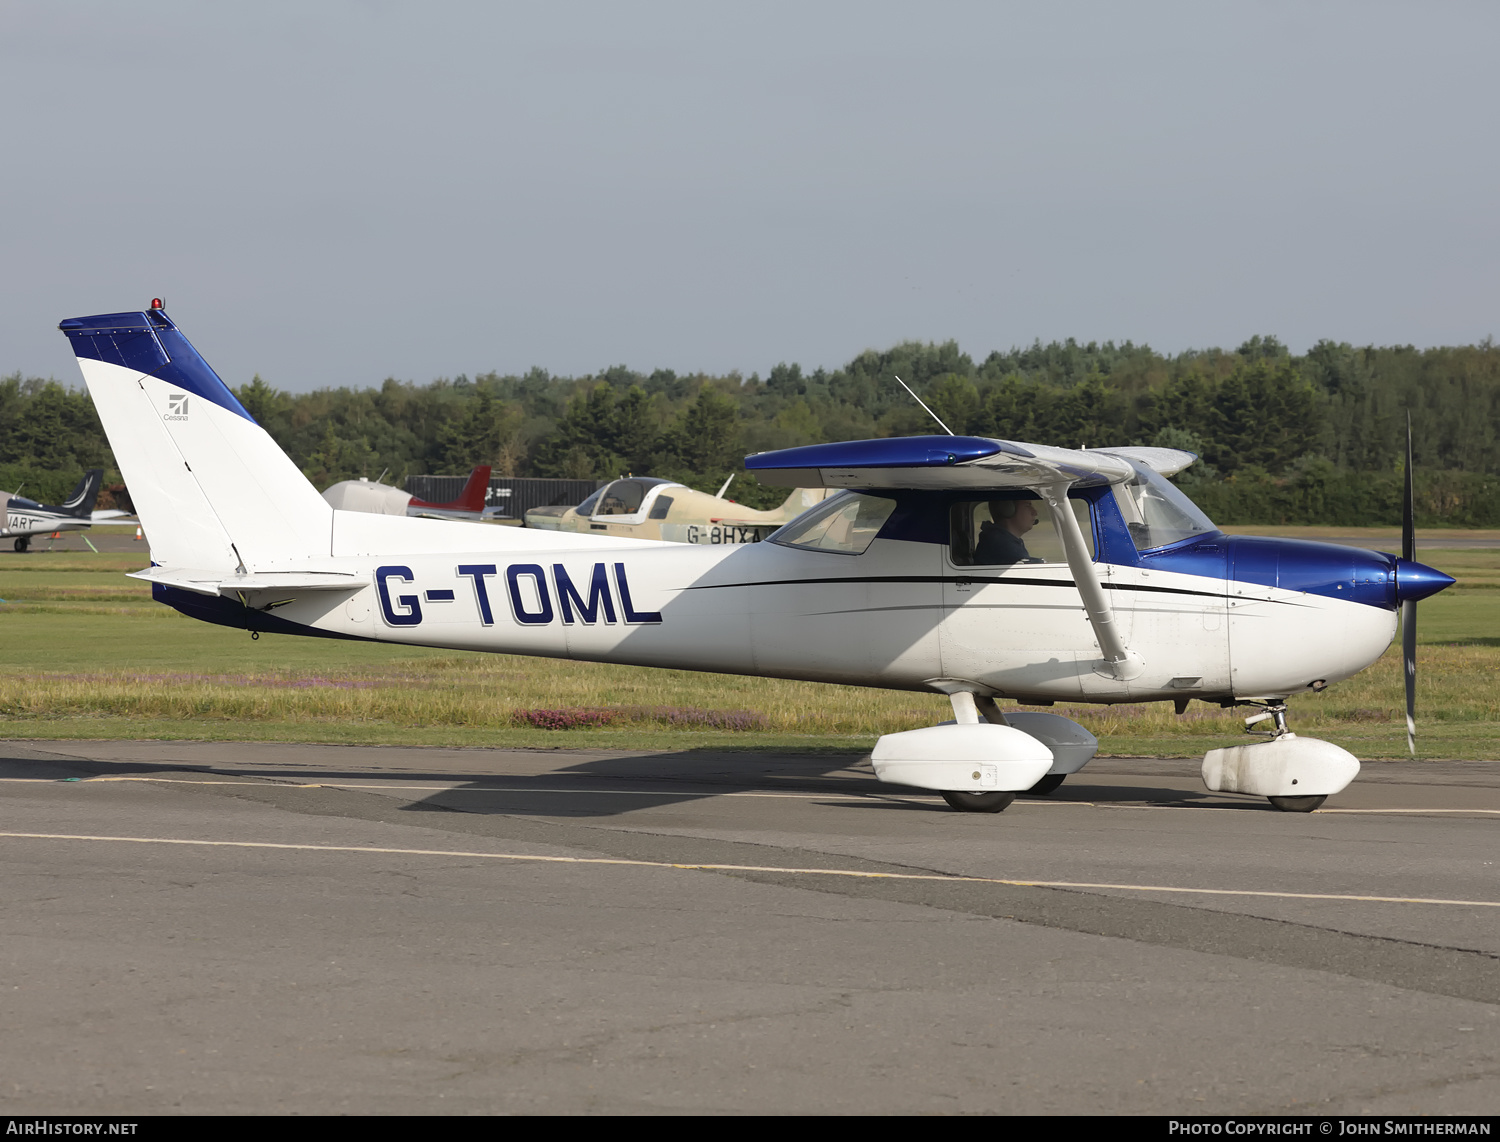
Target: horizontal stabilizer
[(216, 583), (202, 582)]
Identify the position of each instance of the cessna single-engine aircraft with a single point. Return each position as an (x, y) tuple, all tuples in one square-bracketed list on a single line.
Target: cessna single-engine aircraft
[(1115, 589), (382, 499), (25, 518), (647, 508)]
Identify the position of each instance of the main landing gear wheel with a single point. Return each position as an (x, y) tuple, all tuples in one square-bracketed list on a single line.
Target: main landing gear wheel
[(1047, 784), (966, 802), (23, 542), (1297, 804)]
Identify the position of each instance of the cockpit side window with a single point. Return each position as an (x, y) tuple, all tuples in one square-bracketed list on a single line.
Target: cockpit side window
[(846, 524), (1156, 512), (1014, 527)]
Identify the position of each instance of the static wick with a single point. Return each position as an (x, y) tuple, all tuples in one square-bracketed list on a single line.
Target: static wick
[(923, 403)]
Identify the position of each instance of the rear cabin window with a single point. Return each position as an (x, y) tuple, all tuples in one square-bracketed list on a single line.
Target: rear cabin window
[(845, 525), (1011, 529)]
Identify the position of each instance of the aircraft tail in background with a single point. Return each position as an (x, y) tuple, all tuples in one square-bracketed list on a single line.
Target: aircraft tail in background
[(470, 502), (801, 499), (212, 489), (80, 502)]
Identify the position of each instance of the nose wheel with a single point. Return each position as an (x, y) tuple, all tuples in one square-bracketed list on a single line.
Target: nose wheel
[(23, 542), (1289, 761), (966, 802), (1297, 804)]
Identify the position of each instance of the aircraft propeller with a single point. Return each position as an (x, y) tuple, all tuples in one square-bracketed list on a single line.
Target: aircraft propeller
[(1409, 606)]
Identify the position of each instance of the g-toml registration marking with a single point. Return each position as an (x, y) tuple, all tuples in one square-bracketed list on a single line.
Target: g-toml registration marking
[(531, 591)]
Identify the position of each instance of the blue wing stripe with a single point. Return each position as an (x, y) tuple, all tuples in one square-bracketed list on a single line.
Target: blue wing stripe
[(893, 452)]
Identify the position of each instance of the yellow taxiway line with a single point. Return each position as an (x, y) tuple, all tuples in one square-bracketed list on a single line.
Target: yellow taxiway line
[(786, 871)]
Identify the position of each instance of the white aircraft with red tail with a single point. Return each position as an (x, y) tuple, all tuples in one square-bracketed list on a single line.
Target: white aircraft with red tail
[(382, 499)]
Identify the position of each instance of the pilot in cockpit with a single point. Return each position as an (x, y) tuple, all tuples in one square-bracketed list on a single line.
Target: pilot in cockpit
[(1000, 540)]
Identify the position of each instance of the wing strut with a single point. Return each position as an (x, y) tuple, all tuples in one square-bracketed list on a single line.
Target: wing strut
[(1120, 661)]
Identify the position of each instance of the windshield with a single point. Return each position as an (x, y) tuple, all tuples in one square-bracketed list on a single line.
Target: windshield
[(846, 524), (1156, 511)]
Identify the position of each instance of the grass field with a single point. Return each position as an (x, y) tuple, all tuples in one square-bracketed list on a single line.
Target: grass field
[(89, 655)]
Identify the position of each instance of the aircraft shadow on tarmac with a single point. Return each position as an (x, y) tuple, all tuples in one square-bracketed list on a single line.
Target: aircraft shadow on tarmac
[(610, 787), (618, 786)]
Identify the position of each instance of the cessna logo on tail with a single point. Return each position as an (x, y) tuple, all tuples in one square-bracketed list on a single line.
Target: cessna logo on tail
[(536, 595), (177, 406)]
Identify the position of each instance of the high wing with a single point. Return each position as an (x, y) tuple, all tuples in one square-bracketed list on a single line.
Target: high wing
[(1162, 461), (934, 463)]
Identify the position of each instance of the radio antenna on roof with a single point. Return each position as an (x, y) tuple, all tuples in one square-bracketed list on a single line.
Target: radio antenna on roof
[(925, 409)]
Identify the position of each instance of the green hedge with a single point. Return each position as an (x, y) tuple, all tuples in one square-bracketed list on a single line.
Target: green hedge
[(1320, 493)]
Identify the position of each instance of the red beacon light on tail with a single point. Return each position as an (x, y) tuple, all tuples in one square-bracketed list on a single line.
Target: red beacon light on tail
[(156, 303)]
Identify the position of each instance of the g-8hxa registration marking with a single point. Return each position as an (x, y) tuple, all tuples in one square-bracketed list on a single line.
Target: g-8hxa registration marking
[(536, 596)]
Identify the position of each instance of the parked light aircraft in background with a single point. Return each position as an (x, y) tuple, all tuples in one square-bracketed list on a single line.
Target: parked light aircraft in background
[(382, 499), (647, 508), (25, 518), (1128, 592)]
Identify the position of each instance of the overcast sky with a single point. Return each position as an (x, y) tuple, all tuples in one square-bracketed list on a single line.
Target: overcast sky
[(336, 192)]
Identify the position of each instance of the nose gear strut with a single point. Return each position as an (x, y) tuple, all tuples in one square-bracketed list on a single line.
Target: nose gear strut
[(1275, 711)]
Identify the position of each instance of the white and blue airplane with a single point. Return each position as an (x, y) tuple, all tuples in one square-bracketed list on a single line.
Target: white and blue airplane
[(1111, 586), (24, 518)]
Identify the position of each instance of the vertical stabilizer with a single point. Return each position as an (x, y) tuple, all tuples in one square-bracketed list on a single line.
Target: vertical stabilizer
[(471, 499), (212, 488), (81, 500)]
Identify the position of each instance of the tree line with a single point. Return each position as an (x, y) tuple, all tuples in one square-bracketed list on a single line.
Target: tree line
[(1283, 438)]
